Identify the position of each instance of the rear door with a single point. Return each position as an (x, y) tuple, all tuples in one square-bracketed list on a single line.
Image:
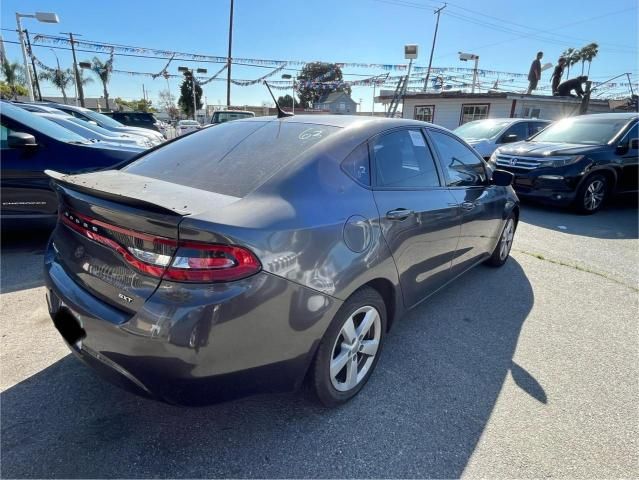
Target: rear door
[(481, 204), (420, 218), (25, 187)]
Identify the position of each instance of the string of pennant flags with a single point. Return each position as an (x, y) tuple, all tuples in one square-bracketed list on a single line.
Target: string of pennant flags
[(442, 77)]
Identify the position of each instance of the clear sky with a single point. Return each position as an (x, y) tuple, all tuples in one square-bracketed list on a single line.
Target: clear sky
[(506, 34)]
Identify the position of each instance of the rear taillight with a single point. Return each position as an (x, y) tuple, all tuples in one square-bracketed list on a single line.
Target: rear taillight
[(167, 258), (197, 262)]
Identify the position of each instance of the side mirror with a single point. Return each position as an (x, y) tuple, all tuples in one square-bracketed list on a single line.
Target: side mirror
[(21, 140), (93, 122), (509, 138), (502, 178)]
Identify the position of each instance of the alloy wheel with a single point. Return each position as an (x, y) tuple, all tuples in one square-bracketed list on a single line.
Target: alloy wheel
[(506, 239), (355, 348), (594, 195)]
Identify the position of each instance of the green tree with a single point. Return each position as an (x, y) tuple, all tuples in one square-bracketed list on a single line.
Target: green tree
[(60, 79), (103, 71), (14, 83), (287, 101), (10, 92), (186, 96), (323, 72), (141, 105)]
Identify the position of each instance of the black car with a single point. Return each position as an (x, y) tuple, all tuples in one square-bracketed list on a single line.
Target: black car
[(578, 161), (29, 145), (136, 119)]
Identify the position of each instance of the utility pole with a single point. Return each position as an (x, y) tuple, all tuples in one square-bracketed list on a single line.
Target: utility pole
[(35, 72), (78, 80), (143, 93), (430, 60), (24, 57), (228, 60), (632, 92)]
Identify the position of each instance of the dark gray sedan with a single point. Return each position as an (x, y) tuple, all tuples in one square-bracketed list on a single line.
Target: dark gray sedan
[(266, 253)]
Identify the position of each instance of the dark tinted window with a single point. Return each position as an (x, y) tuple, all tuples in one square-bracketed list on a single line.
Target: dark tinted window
[(520, 129), (402, 159), (357, 165), (233, 158), (463, 166), (535, 127)]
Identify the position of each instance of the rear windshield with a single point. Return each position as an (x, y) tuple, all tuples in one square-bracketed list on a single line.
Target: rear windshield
[(221, 117), (233, 158)]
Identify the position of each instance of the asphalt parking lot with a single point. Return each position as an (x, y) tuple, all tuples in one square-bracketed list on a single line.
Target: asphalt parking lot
[(526, 371)]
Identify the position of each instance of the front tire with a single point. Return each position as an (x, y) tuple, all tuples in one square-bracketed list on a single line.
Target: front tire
[(592, 194), (348, 353), (502, 250)]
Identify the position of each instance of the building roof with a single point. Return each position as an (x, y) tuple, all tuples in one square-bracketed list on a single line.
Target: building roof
[(333, 97), (388, 95)]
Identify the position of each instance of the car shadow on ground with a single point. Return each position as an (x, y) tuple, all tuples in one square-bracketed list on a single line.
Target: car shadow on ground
[(618, 219), (18, 240), (421, 415)]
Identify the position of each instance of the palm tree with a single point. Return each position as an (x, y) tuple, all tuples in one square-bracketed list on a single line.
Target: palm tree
[(568, 54), (103, 71), (14, 76), (59, 78), (574, 58), (588, 53)]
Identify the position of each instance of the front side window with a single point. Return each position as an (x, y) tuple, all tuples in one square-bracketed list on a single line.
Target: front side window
[(404, 160), (520, 130), (463, 167), (474, 112), (425, 113), (535, 127), (4, 135)]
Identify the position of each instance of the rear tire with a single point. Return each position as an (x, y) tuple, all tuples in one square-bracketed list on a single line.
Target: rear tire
[(502, 250), (592, 194), (350, 348)]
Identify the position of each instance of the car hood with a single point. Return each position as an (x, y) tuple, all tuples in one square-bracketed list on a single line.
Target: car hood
[(115, 146), (536, 149)]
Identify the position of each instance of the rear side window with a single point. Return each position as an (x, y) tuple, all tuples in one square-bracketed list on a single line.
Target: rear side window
[(403, 160), (233, 158), (357, 165)]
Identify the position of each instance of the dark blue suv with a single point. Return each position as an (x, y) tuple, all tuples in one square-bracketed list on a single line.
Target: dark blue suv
[(31, 144)]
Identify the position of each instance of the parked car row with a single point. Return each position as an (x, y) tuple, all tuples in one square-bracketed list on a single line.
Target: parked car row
[(578, 161)]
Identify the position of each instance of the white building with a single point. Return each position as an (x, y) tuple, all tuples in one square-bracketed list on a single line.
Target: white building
[(451, 109)]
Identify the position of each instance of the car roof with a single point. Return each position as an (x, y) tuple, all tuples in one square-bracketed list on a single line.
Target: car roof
[(344, 121), (611, 115), (511, 120), (234, 111)]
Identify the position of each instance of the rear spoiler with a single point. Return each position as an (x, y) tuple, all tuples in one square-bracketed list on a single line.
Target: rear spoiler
[(143, 192)]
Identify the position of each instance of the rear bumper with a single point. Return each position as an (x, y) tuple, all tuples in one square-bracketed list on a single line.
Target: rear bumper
[(197, 344)]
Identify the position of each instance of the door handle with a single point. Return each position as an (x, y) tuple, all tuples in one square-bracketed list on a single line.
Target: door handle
[(468, 205), (399, 214)]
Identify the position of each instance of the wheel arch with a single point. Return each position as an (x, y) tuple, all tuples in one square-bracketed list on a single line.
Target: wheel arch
[(390, 295), (609, 172)]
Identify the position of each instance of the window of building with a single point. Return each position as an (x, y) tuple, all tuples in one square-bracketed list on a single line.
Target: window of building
[(404, 160), (425, 113), (474, 112)]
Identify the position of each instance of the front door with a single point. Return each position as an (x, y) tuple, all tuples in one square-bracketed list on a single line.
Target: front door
[(481, 204), (25, 187), (419, 217), (629, 180)]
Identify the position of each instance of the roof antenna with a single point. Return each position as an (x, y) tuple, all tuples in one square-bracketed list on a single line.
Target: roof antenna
[(280, 113)]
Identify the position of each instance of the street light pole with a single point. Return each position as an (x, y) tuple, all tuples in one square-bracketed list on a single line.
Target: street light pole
[(27, 72)]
